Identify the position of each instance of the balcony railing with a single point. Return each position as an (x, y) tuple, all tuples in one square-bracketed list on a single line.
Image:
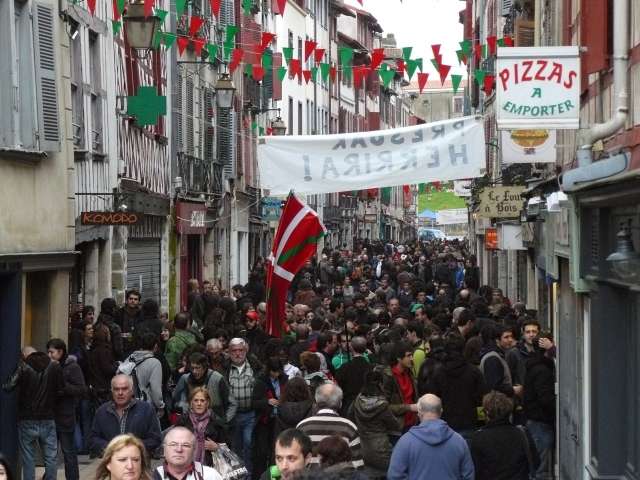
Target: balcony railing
[(198, 175), (254, 201)]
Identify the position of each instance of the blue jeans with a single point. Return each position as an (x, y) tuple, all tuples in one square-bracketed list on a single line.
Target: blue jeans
[(42, 432), (243, 425), (83, 426), (544, 439)]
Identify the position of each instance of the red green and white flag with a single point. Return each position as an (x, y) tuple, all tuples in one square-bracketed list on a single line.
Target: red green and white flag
[(295, 242)]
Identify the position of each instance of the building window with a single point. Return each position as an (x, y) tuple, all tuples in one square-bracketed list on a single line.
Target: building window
[(97, 98), (299, 118), (77, 95), (300, 58), (458, 104), (290, 111)]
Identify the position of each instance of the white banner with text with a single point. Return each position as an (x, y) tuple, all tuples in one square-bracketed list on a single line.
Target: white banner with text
[(310, 164)]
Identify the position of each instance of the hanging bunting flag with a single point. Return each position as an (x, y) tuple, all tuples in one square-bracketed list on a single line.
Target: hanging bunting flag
[(314, 74), (236, 58), (180, 6), (435, 48), (280, 4), (195, 24), (488, 84), (412, 65), (254, 125), (295, 67), (91, 5), (116, 25), (435, 64), (267, 38), (288, 54), (491, 42), (183, 42), (212, 50), (508, 41), (357, 76), (479, 76), (282, 72), (309, 47), (258, 72), (267, 60), (386, 74), (269, 131), (455, 82), (198, 44), (377, 56), (333, 72), (347, 73), (465, 45), (146, 106), (248, 69), (346, 56), (422, 80), (477, 51), (230, 33), (261, 131), (406, 53), (307, 75), (215, 8), (318, 55), (118, 9), (148, 7), (401, 66), (419, 63), (246, 7), (228, 48), (169, 39), (461, 57), (444, 71), (324, 71), (161, 14), (157, 39)]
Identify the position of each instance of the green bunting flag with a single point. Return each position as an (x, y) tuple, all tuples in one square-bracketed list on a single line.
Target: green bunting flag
[(282, 72), (346, 56), (212, 50), (419, 63), (460, 55), (406, 53), (116, 25), (180, 6), (267, 59), (422, 188), (465, 45), (157, 39), (324, 71), (248, 69), (455, 82), (161, 14), (261, 131), (120, 6), (314, 74), (246, 6), (228, 48), (347, 73), (169, 39), (254, 125), (412, 65), (230, 33), (479, 76), (288, 54), (386, 74), (434, 62)]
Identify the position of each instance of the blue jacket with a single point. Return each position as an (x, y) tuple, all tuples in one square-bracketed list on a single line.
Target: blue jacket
[(431, 450), (141, 421)]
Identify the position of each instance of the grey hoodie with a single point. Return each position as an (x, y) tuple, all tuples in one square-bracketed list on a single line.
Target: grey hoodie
[(149, 374)]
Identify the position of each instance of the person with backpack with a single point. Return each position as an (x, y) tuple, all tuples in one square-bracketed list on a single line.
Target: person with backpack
[(145, 371)]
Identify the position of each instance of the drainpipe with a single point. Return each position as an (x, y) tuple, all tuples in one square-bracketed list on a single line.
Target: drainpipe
[(586, 138)]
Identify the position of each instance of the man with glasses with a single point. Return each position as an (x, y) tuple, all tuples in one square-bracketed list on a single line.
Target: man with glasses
[(179, 448), (124, 414)]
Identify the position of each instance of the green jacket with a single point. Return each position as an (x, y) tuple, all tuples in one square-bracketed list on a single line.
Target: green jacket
[(176, 345)]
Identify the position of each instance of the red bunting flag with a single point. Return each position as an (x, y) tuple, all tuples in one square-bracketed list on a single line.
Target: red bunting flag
[(236, 58), (377, 56), (116, 10), (309, 47), (295, 242), (280, 5), (215, 7), (258, 72), (194, 25), (269, 131), (436, 51), (401, 66), (492, 42), (444, 71), (183, 42), (333, 72), (358, 73), (198, 44), (267, 38), (422, 80), (148, 7), (91, 4), (488, 84), (307, 75), (477, 50), (319, 55), (295, 67), (508, 41)]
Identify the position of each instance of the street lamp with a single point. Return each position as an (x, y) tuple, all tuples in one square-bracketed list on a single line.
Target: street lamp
[(224, 91), (140, 30), (278, 127), (625, 261)]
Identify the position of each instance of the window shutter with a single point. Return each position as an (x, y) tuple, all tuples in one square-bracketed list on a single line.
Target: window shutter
[(227, 13), (178, 113), (506, 8), (525, 33), (46, 85), (227, 141), (593, 19), (276, 83), (267, 84), (189, 114), (209, 131)]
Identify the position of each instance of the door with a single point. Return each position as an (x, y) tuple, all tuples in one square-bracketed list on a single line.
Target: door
[(143, 267)]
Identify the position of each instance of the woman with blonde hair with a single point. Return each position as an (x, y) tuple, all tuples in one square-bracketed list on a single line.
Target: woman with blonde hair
[(125, 458)]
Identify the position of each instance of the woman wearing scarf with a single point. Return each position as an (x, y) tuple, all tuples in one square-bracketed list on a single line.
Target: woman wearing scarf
[(207, 427)]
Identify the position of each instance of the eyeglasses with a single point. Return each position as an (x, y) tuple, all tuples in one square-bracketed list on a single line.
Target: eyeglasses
[(185, 446)]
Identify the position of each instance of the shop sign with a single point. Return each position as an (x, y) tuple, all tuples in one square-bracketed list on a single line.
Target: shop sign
[(191, 218), (453, 216), (462, 188), (528, 146), (511, 237), (501, 202), (110, 218), (538, 87), (271, 209), (491, 239)]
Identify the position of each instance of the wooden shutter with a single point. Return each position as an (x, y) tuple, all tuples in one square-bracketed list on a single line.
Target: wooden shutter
[(227, 141), (189, 99), (593, 35), (227, 13), (277, 84), (46, 85), (178, 113), (208, 125), (267, 83), (525, 33)]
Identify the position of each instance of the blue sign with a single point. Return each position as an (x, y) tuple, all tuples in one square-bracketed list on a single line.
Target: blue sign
[(271, 209)]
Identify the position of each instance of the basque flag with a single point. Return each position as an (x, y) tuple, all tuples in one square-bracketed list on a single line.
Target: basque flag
[(295, 242)]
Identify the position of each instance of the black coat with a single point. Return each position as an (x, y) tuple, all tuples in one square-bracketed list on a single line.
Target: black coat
[(350, 378), (74, 389), (291, 413), (101, 369), (215, 431), (499, 452), (539, 392), (460, 386)]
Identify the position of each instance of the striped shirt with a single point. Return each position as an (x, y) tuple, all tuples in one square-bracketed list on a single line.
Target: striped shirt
[(326, 423)]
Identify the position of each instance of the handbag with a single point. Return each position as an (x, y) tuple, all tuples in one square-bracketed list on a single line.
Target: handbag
[(228, 464)]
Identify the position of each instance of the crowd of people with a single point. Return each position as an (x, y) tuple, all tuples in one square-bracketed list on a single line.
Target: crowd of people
[(396, 363)]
